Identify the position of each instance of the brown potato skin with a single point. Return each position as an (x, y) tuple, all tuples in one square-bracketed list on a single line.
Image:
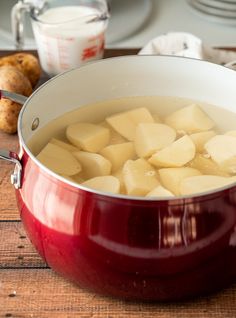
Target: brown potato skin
[(12, 80), (27, 63), (9, 112)]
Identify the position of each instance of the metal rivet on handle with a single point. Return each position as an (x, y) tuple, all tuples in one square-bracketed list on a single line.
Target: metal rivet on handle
[(35, 123), (13, 178)]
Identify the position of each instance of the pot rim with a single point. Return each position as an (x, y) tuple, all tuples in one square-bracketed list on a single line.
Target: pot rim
[(199, 195)]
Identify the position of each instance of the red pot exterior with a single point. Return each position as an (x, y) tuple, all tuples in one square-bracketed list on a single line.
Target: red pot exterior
[(135, 249)]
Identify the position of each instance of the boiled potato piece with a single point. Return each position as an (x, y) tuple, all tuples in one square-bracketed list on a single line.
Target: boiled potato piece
[(203, 183), (160, 191), (125, 123), (118, 154), (59, 160), (201, 138), (177, 154), (222, 149), (207, 166), (93, 164), (156, 118), (105, 183), (115, 138), (139, 177), (172, 177), (68, 178), (119, 175), (231, 133), (75, 178), (89, 137), (78, 178), (191, 119), (180, 133), (64, 145), (150, 137)]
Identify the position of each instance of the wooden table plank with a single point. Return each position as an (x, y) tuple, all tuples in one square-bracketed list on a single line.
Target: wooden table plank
[(17, 250), (8, 208), (22, 270), (42, 293)]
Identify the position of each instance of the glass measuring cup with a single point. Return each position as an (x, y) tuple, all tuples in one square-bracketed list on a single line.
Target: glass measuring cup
[(67, 33)]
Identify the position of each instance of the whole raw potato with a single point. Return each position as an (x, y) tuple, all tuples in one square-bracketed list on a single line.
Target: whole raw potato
[(12, 80), (27, 63)]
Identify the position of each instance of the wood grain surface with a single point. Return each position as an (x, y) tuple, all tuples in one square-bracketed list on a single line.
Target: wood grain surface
[(28, 288), (42, 293)]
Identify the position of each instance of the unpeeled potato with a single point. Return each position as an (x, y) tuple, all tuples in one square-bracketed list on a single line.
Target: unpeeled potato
[(12, 80), (27, 63)]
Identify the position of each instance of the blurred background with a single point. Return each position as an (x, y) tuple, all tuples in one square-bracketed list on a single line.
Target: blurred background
[(135, 22)]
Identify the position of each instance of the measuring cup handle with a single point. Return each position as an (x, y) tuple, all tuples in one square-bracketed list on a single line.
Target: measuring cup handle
[(17, 21)]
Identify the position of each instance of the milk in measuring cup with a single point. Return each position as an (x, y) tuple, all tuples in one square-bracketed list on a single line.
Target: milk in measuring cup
[(65, 40)]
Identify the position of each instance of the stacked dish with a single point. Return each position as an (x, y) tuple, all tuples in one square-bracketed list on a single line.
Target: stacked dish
[(223, 11)]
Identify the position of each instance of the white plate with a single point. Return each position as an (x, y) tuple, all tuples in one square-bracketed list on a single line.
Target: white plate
[(213, 11), (231, 1), (219, 4), (212, 17), (121, 26)]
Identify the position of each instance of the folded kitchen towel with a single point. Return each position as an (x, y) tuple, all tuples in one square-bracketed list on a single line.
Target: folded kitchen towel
[(188, 45)]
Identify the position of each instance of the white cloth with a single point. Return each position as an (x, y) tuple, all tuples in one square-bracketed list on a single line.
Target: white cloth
[(188, 45)]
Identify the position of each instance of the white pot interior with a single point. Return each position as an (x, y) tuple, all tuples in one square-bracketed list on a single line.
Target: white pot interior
[(132, 76)]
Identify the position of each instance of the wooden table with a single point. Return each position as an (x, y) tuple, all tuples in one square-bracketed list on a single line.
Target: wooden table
[(29, 288)]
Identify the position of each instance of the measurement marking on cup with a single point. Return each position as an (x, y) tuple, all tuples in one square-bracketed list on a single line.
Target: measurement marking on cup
[(62, 53), (47, 50)]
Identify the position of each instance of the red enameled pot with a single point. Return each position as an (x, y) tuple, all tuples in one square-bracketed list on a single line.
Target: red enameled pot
[(130, 247)]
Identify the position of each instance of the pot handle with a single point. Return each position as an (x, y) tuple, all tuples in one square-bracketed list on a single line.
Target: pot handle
[(20, 99), (16, 175)]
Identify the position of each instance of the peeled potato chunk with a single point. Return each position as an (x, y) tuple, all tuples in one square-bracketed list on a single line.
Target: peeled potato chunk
[(160, 191), (125, 123), (118, 154), (75, 178), (139, 177), (222, 149), (191, 119), (119, 175), (156, 118), (231, 133), (68, 178), (88, 137), (78, 177), (115, 138), (105, 183), (93, 164), (201, 138), (203, 183), (64, 145), (172, 177), (59, 160), (150, 137), (207, 166), (177, 154)]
